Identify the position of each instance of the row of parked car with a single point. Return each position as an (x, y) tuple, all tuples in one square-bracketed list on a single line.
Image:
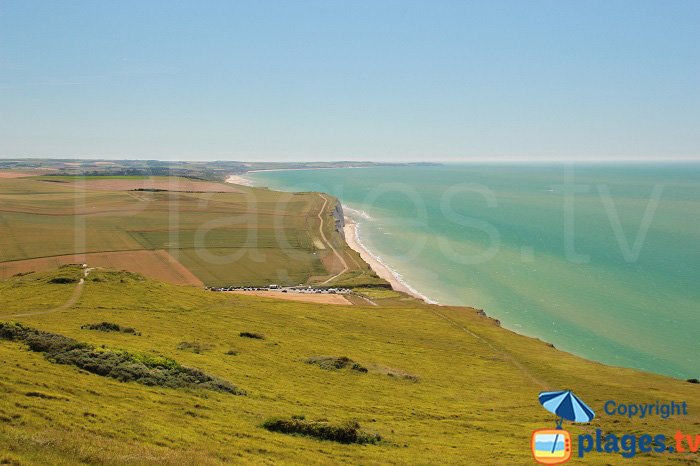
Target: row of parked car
[(288, 289)]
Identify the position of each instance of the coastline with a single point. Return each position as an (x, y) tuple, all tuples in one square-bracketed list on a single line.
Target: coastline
[(239, 179), (354, 242), (352, 239)]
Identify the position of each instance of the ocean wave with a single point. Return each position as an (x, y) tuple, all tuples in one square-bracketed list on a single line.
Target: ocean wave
[(399, 278), (357, 213)]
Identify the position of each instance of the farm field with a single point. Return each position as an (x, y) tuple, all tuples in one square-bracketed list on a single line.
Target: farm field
[(442, 384), (156, 264), (223, 234)]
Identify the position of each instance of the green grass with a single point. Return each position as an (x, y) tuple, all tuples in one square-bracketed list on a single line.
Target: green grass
[(476, 396)]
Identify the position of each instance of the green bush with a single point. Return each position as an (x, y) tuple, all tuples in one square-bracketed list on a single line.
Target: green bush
[(193, 346), (121, 365), (63, 280), (103, 327), (336, 362), (110, 327), (348, 432)]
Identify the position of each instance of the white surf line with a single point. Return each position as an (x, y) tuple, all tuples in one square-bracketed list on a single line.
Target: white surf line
[(325, 240)]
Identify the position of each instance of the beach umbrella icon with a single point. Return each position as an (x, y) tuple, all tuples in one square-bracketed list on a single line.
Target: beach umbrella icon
[(566, 405)]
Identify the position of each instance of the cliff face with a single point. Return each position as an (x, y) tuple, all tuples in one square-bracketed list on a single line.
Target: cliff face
[(337, 214)]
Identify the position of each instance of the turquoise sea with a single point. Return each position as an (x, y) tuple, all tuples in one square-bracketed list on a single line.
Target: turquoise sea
[(600, 260)]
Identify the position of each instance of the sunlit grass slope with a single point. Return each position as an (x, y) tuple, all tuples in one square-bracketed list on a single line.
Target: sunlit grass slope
[(474, 401)]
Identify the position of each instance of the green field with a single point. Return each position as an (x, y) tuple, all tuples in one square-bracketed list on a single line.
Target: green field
[(474, 401), (247, 237)]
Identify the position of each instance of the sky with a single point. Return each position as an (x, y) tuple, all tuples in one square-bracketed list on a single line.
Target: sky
[(350, 80)]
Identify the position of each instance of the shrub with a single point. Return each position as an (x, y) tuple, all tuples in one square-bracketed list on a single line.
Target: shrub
[(348, 432), (256, 336), (693, 381), (193, 346), (63, 280), (103, 327), (13, 331), (336, 362), (231, 352), (359, 368), (121, 365), (397, 374), (110, 327)]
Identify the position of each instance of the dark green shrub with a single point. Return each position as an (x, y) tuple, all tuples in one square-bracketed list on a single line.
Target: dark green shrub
[(110, 327), (359, 368), (63, 280), (13, 331), (103, 327), (193, 346), (336, 362), (120, 365), (256, 336), (348, 432)]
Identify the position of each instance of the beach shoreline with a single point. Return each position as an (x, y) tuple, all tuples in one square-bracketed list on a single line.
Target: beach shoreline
[(353, 241), (239, 179), (242, 180)]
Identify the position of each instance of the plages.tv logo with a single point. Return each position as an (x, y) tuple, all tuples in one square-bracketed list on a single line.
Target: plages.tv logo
[(553, 446)]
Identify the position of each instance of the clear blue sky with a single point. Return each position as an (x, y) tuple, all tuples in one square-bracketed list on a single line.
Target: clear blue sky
[(365, 80)]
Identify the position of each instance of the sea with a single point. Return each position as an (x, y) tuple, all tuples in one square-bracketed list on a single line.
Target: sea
[(601, 260)]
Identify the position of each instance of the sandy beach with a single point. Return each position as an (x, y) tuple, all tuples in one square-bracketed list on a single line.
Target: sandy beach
[(242, 180), (379, 268), (351, 238), (239, 179)]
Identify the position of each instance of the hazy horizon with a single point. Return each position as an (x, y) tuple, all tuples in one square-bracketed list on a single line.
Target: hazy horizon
[(476, 160), (383, 81)]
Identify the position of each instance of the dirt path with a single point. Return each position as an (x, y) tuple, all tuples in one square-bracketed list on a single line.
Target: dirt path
[(77, 293), (507, 356), (328, 243)]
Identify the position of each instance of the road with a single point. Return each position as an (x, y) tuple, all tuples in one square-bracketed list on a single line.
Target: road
[(328, 243), (77, 293)]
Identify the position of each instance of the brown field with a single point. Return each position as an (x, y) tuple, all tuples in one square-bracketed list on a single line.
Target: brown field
[(158, 265), (172, 184), (12, 174), (307, 298)]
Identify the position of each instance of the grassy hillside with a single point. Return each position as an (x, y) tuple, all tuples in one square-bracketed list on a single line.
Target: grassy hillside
[(222, 234), (443, 385)]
